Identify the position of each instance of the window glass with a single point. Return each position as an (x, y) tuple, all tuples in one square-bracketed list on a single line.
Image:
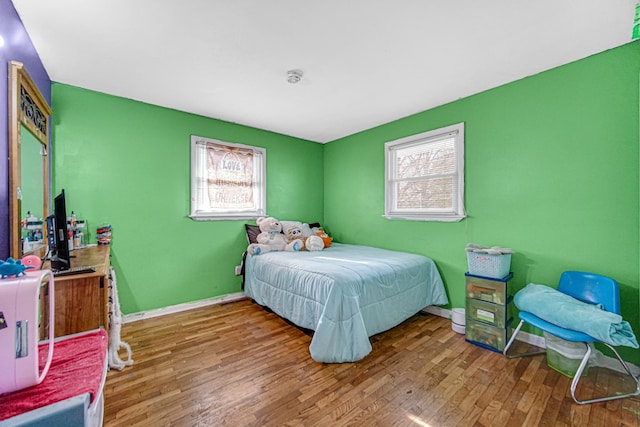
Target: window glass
[(425, 176)]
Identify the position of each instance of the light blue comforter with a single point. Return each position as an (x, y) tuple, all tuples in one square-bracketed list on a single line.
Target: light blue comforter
[(345, 293)]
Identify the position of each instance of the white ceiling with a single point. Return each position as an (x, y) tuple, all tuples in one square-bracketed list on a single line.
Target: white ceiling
[(365, 62)]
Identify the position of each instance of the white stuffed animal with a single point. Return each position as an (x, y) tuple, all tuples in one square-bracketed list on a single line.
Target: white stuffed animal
[(271, 238)]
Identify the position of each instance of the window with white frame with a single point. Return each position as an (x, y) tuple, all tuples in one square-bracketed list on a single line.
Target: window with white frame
[(228, 181), (425, 176)]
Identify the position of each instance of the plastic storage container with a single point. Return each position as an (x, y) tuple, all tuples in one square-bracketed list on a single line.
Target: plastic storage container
[(564, 356), (487, 336), (493, 266), (486, 312), (487, 289), (21, 363)]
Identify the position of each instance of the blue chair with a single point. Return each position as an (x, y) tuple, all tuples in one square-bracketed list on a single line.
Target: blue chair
[(590, 288)]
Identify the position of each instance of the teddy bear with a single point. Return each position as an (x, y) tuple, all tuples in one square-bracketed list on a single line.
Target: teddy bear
[(326, 239), (309, 243), (271, 238)]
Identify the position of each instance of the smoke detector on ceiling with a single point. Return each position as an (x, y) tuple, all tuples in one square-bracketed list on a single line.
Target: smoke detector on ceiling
[(294, 76)]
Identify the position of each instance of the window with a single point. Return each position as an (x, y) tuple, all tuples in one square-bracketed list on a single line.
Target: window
[(228, 181), (425, 176)]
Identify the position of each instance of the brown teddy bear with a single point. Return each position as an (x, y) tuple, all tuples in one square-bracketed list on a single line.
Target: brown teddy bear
[(310, 243)]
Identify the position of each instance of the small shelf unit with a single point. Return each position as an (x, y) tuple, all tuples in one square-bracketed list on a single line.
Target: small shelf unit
[(487, 302)]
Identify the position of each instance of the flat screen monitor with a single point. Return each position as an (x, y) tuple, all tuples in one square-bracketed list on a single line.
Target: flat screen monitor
[(60, 259)]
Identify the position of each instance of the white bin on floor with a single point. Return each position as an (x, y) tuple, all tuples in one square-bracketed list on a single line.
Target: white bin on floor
[(458, 322)]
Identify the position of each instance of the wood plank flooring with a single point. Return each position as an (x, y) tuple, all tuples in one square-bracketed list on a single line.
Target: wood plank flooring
[(241, 365)]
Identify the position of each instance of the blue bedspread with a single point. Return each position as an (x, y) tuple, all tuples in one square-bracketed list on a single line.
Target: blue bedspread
[(567, 312), (345, 293)]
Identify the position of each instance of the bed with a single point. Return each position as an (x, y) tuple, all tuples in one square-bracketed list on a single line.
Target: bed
[(345, 293)]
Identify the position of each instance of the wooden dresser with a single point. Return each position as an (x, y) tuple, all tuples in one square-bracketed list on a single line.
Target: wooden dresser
[(82, 300)]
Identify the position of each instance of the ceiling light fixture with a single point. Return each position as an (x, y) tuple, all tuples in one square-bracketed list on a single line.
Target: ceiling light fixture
[(294, 76)]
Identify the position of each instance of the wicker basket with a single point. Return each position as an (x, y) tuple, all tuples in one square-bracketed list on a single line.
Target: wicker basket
[(493, 266)]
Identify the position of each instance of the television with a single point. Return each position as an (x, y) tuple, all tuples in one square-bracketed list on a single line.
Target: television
[(59, 242)]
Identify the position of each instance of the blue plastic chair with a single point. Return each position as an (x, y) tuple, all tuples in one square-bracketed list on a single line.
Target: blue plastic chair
[(590, 288)]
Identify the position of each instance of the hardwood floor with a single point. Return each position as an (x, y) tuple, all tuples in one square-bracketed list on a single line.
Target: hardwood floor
[(240, 365)]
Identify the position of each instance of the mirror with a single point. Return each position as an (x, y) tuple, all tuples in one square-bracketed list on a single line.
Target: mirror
[(32, 190), (29, 122)]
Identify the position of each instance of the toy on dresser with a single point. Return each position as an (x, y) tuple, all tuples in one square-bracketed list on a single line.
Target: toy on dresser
[(11, 267)]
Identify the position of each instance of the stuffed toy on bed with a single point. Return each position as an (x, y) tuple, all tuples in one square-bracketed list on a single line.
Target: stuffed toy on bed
[(271, 238), (326, 239), (309, 243)]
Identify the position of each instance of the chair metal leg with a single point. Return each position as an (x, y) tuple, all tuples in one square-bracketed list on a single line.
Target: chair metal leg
[(512, 339), (583, 364)]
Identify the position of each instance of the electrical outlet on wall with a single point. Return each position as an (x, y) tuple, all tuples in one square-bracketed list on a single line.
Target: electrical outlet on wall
[(238, 270)]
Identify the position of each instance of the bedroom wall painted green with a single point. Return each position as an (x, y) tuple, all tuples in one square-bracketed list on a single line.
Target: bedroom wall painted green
[(551, 170), (127, 163)]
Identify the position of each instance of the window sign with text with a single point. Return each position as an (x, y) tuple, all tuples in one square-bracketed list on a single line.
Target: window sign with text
[(227, 180)]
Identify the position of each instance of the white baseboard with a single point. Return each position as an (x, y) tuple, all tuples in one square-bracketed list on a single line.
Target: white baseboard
[(442, 312), (597, 358), (133, 317)]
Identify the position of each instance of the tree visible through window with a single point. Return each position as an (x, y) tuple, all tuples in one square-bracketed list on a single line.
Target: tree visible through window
[(227, 180), (425, 175)]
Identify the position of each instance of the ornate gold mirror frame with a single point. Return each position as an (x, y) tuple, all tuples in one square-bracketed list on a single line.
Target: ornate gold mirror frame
[(29, 110)]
